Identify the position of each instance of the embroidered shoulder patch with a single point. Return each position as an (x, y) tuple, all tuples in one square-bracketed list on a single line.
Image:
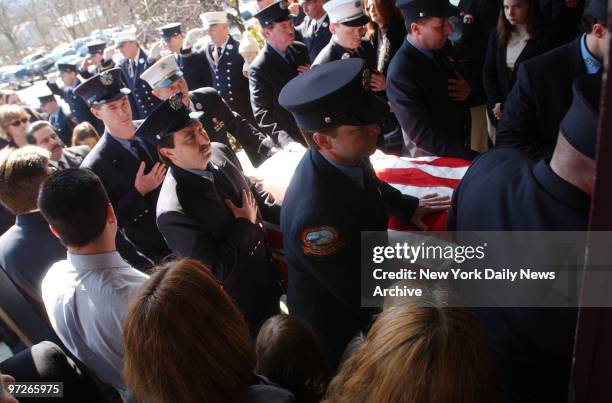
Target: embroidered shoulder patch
[(320, 241)]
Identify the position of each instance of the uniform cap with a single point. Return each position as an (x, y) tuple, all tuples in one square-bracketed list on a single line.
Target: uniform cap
[(213, 17), (102, 88), (163, 73), (275, 12), (414, 10), (347, 12), (169, 30)]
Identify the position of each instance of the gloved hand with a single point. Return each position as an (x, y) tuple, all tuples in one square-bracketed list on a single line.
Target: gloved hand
[(108, 54), (155, 52), (192, 37)]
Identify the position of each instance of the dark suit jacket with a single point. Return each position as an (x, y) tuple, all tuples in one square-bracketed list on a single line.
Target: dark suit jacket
[(142, 100), (76, 155), (268, 74), (503, 190), (496, 78), (314, 39), (78, 107), (417, 88), (63, 125), (117, 169), (218, 120), (196, 69), (227, 78), (27, 250), (195, 222), (396, 35), (324, 287), (334, 51), (539, 99)]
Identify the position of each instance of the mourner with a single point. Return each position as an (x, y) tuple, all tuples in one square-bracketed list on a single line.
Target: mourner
[(315, 27), (426, 92), (218, 120), (127, 165), (534, 345), (226, 64), (333, 196), (135, 62), (543, 89), (99, 57), (78, 107), (62, 122), (44, 135), (279, 61), (210, 211), (194, 64)]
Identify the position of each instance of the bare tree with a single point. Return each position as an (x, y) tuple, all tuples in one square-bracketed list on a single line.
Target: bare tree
[(9, 20)]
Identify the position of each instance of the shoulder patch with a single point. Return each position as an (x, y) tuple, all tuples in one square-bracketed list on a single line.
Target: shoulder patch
[(320, 241)]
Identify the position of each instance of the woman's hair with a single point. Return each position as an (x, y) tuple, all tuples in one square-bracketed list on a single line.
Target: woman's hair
[(9, 113), (83, 131), (387, 11), (504, 28), (289, 354), (185, 340), (418, 354)]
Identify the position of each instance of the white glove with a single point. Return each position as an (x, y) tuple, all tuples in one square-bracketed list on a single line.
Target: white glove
[(192, 36), (51, 78), (156, 49), (108, 54)]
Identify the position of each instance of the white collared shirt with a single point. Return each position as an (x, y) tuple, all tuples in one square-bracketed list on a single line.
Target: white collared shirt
[(55, 164), (86, 297)]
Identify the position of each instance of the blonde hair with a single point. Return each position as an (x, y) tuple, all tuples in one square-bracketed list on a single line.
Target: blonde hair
[(418, 354), (8, 113)]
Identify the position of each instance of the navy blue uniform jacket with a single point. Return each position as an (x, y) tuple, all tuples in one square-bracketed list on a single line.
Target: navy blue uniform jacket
[(227, 78), (218, 120), (196, 69), (314, 38), (63, 125), (417, 88), (196, 223), (142, 100), (539, 99), (503, 190), (324, 288), (268, 74), (135, 213)]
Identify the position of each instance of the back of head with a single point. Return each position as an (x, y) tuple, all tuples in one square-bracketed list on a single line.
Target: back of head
[(418, 354), (83, 131), (22, 170), (289, 353), (75, 204), (185, 340)]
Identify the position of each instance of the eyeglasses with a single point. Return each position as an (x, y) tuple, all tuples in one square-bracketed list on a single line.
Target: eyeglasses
[(19, 122)]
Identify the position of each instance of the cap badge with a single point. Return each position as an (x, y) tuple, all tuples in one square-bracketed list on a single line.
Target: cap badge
[(345, 55), (162, 66), (198, 106), (141, 60), (175, 102), (327, 119), (106, 78), (230, 46), (357, 4), (283, 5)]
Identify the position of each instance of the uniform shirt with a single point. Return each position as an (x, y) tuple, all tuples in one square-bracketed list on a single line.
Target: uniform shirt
[(591, 63), (86, 297), (64, 161), (128, 146)]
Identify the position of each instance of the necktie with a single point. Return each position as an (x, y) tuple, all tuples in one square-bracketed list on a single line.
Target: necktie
[(222, 183), (131, 68), (142, 155), (443, 62), (61, 164), (289, 58)]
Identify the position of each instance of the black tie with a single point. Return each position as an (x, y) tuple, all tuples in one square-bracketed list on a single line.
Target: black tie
[(444, 63), (142, 155), (289, 58), (223, 184), (61, 165)]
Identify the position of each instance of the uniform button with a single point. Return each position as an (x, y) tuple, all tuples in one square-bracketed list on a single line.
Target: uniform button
[(217, 77), (144, 86), (228, 70), (139, 215), (135, 219), (146, 211), (230, 93), (151, 103), (231, 99)]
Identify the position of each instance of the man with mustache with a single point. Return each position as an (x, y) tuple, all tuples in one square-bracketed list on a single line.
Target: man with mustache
[(128, 167), (44, 135), (210, 211)]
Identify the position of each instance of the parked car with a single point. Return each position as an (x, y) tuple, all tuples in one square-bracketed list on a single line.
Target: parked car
[(31, 58), (16, 76)]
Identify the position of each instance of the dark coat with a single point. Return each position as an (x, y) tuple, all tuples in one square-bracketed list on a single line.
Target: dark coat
[(498, 81), (26, 269), (539, 99), (268, 74), (218, 120), (324, 287), (503, 190), (63, 125), (334, 51), (227, 78), (396, 34), (314, 39), (196, 223), (135, 213), (78, 107), (417, 88), (142, 100), (196, 69), (76, 155)]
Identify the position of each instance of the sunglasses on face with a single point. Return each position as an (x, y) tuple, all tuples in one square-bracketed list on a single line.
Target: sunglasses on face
[(22, 121)]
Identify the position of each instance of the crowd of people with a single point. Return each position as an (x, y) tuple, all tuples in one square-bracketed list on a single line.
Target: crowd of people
[(130, 227)]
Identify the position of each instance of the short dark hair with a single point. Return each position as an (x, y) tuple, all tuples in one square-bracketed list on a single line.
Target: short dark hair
[(420, 21), (166, 142), (588, 21), (36, 126), (74, 203), (22, 170), (308, 136)]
